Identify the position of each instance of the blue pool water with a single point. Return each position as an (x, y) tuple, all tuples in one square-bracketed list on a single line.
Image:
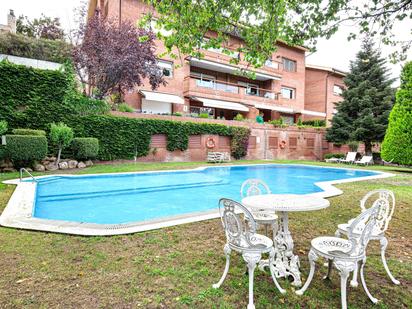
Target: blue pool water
[(122, 198)]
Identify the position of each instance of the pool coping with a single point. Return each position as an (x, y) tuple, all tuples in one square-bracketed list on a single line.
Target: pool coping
[(19, 209)]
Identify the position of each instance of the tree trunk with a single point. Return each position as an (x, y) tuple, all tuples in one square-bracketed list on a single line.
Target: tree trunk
[(58, 156), (368, 148)]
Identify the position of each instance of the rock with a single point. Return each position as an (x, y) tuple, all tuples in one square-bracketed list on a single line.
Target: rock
[(29, 169), (9, 170), (51, 167), (88, 163), (63, 165), (39, 168), (45, 162), (81, 165), (51, 159), (72, 163), (4, 164)]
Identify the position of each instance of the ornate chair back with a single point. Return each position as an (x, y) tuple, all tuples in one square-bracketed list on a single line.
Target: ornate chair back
[(252, 187), (364, 224), (238, 223), (387, 209)]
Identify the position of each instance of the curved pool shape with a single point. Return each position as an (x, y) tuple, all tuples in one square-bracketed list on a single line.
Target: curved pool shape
[(135, 197)]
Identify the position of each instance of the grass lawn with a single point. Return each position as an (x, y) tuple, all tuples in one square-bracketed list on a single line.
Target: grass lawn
[(175, 267)]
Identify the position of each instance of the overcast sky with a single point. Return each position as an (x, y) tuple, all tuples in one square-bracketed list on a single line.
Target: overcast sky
[(335, 52)]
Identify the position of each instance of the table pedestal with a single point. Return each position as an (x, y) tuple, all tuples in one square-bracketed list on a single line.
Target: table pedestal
[(286, 263)]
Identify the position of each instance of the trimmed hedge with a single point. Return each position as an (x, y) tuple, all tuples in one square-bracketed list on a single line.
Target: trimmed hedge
[(125, 138), (25, 148), (85, 147), (29, 132), (335, 155), (317, 123)]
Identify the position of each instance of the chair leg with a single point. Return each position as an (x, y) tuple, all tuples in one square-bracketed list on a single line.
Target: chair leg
[(384, 244), (227, 251), (344, 274), (312, 259), (354, 281), (272, 271), (373, 299), (330, 264), (251, 259)]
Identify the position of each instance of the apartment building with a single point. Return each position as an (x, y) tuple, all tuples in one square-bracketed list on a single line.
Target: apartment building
[(323, 89), (211, 84), (11, 23)]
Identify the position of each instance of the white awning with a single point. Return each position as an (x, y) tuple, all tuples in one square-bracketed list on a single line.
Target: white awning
[(230, 69), (275, 108), (162, 97), (222, 104), (312, 113)]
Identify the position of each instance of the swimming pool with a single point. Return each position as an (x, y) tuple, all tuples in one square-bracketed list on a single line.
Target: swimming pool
[(136, 198)]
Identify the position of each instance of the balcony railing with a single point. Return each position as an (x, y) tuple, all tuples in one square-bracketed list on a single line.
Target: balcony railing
[(229, 89)]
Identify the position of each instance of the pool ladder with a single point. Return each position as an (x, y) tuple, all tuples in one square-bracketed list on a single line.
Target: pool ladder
[(24, 170)]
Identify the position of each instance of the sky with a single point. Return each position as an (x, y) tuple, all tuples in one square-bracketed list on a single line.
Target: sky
[(335, 52)]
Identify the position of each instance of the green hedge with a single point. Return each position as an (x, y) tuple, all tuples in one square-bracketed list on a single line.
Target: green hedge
[(125, 138), (335, 155), (34, 98), (85, 147), (29, 132), (25, 148), (42, 49), (315, 123)]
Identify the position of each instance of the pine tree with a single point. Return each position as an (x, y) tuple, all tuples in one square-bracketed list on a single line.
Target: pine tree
[(397, 145), (363, 114)]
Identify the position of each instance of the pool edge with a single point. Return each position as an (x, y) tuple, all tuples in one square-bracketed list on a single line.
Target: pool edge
[(18, 211)]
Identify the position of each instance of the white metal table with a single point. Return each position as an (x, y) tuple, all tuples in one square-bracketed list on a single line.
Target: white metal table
[(286, 263)]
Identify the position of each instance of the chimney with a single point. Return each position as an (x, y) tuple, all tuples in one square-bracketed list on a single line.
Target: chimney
[(11, 21)]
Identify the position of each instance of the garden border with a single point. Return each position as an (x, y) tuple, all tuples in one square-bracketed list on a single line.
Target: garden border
[(19, 209)]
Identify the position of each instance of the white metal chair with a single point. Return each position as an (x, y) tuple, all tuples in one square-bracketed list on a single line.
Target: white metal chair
[(345, 254), (379, 232), (240, 230), (350, 158), (263, 217), (365, 160)]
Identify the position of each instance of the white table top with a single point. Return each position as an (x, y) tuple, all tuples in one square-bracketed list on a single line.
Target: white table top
[(285, 202)]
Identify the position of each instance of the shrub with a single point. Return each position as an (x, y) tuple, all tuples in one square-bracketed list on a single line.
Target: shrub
[(29, 132), (239, 117), (85, 147), (177, 114), (239, 143), (23, 149), (203, 115), (397, 145), (60, 136), (278, 123), (299, 123), (123, 107), (42, 49), (3, 127), (353, 146), (317, 123), (335, 155)]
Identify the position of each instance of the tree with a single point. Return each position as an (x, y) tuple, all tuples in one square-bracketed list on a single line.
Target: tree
[(115, 57), (363, 114), (261, 23), (61, 136), (40, 28), (397, 145)]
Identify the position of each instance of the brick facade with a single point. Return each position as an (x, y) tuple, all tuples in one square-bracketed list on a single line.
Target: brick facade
[(268, 100), (320, 95)]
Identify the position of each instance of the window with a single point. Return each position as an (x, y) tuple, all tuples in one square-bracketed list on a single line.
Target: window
[(273, 142), (288, 119), (337, 89), (293, 142), (166, 67), (289, 65), (204, 80), (288, 93), (250, 89)]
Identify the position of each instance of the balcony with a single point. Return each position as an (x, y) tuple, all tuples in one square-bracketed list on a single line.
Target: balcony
[(195, 86)]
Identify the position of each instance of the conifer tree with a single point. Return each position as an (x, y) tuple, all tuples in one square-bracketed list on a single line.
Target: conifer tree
[(363, 114), (397, 145)]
